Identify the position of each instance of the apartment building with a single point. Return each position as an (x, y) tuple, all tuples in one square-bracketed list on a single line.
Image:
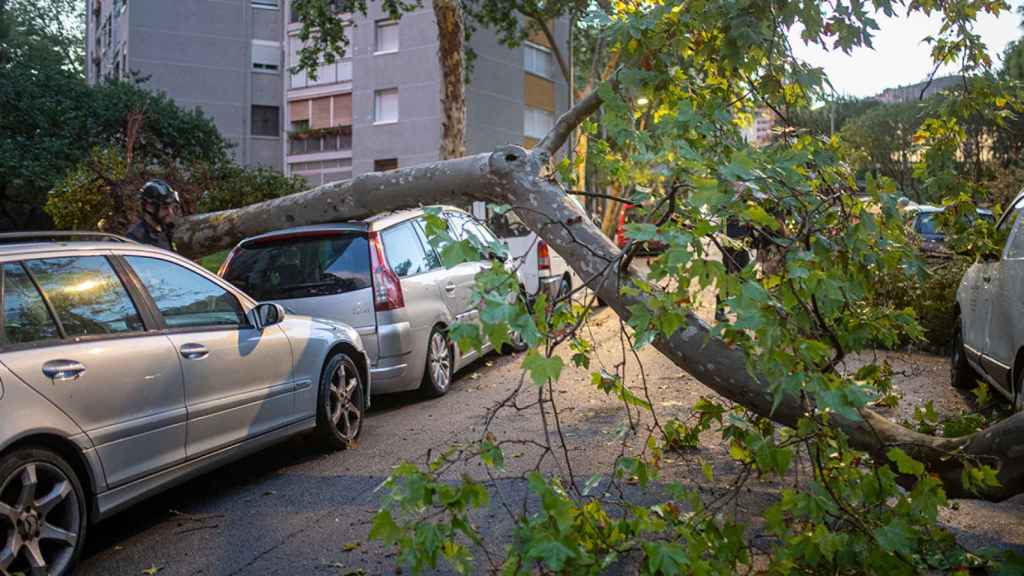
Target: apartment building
[(223, 56), (378, 108)]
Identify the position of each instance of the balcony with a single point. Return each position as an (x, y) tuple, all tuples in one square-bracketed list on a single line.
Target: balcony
[(319, 140)]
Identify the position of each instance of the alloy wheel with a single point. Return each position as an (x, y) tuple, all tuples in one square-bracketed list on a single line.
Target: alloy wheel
[(40, 520), (346, 401), (440, 361)]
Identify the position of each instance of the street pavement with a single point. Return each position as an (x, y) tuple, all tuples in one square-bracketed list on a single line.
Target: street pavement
[(294, 509)]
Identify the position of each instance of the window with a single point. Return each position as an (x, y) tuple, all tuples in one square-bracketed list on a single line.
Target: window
[(1015, 245), (385, 106), (266, 121), (265, 4), (120, 6), (266, 56), (302, 268), (537, 123), (387, 36), (433, 258), (385, 164), (183, 297), (86, 295), (404, 250), (25, 318), (537, 60)]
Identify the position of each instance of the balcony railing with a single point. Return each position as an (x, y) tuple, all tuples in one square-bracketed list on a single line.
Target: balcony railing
[(315, 143)]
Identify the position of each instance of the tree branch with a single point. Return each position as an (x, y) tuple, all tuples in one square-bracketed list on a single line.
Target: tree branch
[(567, 123)]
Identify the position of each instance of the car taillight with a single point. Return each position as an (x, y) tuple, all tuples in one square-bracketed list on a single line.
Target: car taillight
[(543, 256), (387, 288)]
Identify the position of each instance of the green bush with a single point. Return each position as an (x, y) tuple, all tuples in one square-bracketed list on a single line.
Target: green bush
[(932, 297), (232, 186)]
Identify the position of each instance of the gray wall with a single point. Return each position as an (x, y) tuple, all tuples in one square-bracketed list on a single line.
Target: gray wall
[(199, 53), (495, 93), (414, 71)]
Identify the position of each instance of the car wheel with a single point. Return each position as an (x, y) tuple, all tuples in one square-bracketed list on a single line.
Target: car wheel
[(43, 516), (961, 374), (340, 403), (516, 345), (564, 288), (437, 376)]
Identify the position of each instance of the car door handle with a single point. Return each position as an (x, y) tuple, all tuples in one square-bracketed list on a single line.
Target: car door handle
[(450, 287), (194, 351), (62, 370)]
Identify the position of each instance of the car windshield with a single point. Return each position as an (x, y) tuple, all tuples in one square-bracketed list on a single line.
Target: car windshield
[(301, 267)]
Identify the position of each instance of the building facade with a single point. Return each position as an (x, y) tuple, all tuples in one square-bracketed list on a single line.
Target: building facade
[(378, 108), (222, 56)]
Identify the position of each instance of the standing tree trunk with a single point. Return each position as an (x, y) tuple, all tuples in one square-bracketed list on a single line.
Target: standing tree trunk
[(450, 36)]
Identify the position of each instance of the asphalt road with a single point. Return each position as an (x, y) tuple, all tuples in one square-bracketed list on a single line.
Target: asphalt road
[(294, 509)]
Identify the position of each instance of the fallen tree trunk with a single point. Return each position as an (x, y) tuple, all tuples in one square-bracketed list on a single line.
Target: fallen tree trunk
[(512, 175)]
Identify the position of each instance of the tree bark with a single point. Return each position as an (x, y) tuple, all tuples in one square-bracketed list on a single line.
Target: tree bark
[(514, 176), (450, 36)]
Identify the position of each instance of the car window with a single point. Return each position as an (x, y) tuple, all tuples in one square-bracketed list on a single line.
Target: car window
[(1015, 243), (433, 259), (87, 296), (26, 318), (404, 250), (183, 297), (301, 267)]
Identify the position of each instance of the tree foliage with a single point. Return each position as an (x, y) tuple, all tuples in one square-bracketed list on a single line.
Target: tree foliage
[(855, 492)]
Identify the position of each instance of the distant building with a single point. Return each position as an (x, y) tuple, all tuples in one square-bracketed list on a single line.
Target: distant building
[(913, 92), (222, 56), (378, 108), (759, 131)]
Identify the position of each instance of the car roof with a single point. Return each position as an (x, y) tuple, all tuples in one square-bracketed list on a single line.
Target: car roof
[(39, 243), (929, 209)]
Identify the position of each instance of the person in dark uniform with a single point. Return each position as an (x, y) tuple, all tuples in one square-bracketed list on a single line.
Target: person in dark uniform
[(160, 204)]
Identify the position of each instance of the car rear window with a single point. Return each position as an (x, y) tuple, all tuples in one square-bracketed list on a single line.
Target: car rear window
[(301, 267)]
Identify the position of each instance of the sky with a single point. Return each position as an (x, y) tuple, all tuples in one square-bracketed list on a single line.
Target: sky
[(899, 57)]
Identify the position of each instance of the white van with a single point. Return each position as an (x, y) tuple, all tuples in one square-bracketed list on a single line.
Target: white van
[(541, 269)]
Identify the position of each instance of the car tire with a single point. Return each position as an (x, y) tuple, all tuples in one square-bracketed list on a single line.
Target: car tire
[(341, 403), (518, 344), (962, 376), (437, 374), (46, 494)]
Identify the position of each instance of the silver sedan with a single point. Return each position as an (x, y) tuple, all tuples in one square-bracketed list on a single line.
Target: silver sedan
[(126, 369)]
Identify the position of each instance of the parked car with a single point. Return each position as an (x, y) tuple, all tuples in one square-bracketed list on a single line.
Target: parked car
[(989, 329), (380, 276), (541, 269), (924, 222), (126, 369)]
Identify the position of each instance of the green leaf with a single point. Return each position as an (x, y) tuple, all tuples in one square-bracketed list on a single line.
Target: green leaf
[(904, 463), (665, 557), (552, 553), (641, 231), (541, 368), (384, 528), (895, 535)]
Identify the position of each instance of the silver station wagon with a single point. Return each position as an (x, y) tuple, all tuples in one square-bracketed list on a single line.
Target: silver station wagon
[(383, 278), (125, 369)]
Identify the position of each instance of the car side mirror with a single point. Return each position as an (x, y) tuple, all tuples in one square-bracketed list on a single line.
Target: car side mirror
[(267, 314)]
